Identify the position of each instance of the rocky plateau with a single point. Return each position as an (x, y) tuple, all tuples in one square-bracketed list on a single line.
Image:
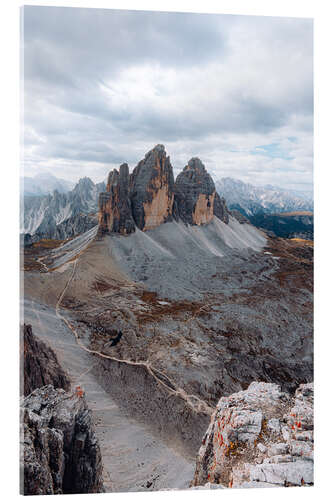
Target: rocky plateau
[(215, 317)]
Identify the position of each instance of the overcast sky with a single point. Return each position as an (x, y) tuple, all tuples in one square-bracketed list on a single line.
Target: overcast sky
[(104, 86)]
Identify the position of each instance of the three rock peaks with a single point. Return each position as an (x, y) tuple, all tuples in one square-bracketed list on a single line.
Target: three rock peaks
[(150, 196)]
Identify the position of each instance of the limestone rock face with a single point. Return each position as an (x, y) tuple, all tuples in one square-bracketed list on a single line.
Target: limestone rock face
[(195, 194), (259, 437), (152, 189), (239, 216), (220, 209), (39, 364), (149, 196), (59, 449), (114, 206)]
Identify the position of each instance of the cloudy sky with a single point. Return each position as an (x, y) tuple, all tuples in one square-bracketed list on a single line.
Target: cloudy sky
[(104, 86)]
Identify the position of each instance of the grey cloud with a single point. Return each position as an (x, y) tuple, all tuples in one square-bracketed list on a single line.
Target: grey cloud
[(106, 40), (204, 85)]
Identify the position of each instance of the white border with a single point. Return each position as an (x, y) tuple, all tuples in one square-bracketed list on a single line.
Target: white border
[(9, 33)]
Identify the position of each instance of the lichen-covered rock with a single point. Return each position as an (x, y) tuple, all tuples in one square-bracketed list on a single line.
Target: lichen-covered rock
[(195, 194), (115, 214), (259, 437), (152, 189), (39, 364), (59, 449)]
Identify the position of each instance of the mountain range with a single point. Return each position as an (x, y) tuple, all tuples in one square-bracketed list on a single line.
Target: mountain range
[(61, 215), (188, 330), (64, 213), (44, 183), (252, 200)]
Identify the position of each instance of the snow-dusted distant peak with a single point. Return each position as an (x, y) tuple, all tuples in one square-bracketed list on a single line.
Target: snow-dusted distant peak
[(42, 214), (44, 183), (251, 200)]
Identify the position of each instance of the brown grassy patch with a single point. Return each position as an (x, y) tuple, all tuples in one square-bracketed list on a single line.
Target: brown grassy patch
[(157, 311), (302, 242), (100, 285), (30, 264), (48, 244)]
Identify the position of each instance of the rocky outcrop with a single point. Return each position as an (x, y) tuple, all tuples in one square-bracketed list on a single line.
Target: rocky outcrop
[(59, 449), (115, 214), (152, 189), (220, 209), (259, 437), (39, 364), (75, 225), (239, 216), (195, 194), (154, 197)]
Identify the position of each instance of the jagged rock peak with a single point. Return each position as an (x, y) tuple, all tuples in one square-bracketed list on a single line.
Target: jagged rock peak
[(220, 209), (121, 177), (195, 163), (195, 193), (40, 364), (115, 215), (152, 189), (112, 179), (159, 149), (149, 196), (85, 182)]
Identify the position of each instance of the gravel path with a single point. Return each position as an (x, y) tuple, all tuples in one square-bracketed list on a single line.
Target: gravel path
[(134, 459)]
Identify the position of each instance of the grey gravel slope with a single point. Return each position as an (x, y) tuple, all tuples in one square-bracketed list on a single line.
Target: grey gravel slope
[(177, 261), (134, 459)]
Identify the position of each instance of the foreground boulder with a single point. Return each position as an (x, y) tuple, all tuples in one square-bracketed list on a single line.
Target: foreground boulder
[(39, 364), (59, 449), (260, 437)]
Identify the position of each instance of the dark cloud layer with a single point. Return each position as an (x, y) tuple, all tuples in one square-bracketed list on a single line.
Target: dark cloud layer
[(102, 86)]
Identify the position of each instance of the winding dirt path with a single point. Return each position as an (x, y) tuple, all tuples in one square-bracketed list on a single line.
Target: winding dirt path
[(193, 401), (134, 459)]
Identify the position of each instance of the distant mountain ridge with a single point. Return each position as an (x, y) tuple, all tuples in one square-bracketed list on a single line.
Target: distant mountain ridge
[(253, 200), (285, 224), (61, 215), (43, 184)]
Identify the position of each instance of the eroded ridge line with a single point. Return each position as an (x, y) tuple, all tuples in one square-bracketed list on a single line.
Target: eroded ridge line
[(200, 406)]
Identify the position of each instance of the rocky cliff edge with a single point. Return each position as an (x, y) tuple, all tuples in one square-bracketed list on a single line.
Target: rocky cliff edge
[(260, 437), (59, 450)]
